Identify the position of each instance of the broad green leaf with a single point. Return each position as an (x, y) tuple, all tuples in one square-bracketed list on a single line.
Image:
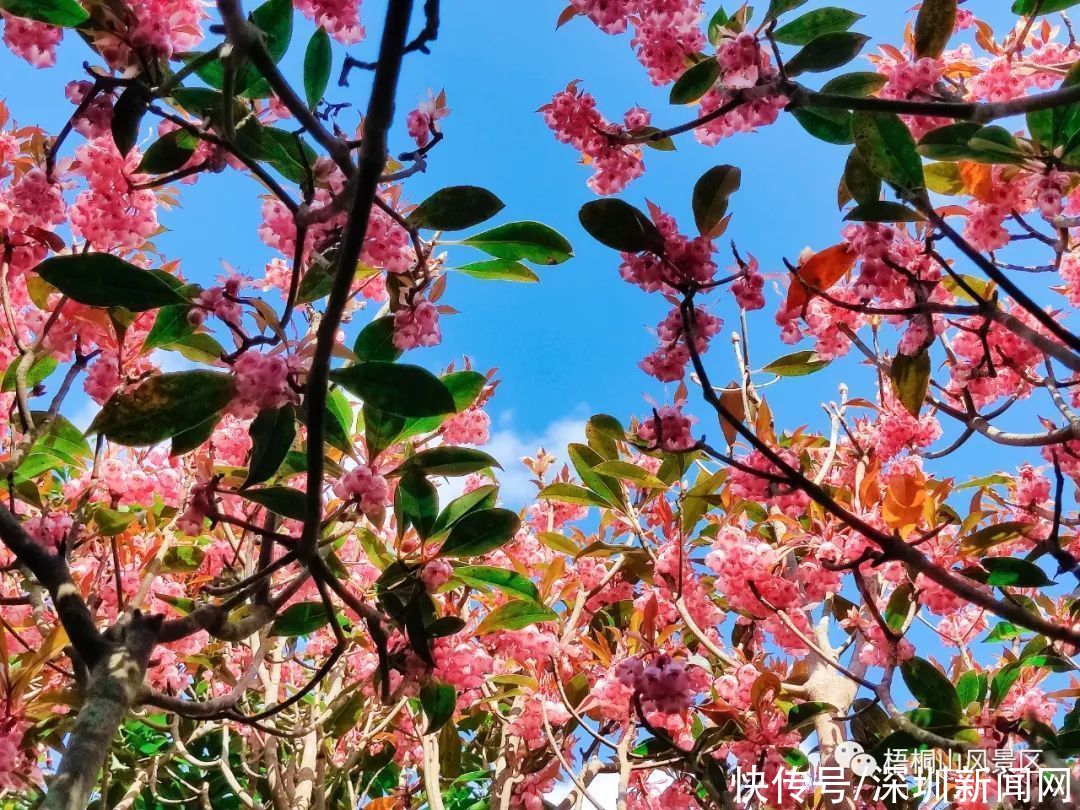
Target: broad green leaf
[(170, 325), (169, 152), (1003, 631), (300, 619), (994, 535), (523, 241), (883, 211), (620, 226), (826, 52), (284, 501), (797, 364), (183, 559), (934, 27), (509, 582), (163, 406), (272, 433), (61, 13), (805, 29), (710, 199), (376, 341), (111, 522), (438, 700), (480, 498), (479, 532), (1046, 7), (930, 687), (695, 82), (831, 126), (571, 493), (404, 390), (885, 143), (193, 437), (281, 150), (910, 375), (416, 503), (514, 616), (625, 471), (38, 371), (944, 178), (454, 208), (499, 270), (380, 430), (127, 115), (103, 280), (318, 59), (859, 83), (971, 688), (862, 184), (1012, 572), (778, 7), (448, 461), (898, 606), (949, 142)]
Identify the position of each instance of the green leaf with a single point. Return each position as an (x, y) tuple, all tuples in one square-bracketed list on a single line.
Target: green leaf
[(971, 688), (272, 433), (625, 471), (994, 535), (805, 29), (910, 375), (862, 184), (710, 199), (111, 522), (163, 406), (778, 7), (718, 22), (169, 152), (404, 390), (318, 58), (1046, 7), (796, 364), (883, 211), (695, 82), (1012, 572), (1003, 631), (831, 126), (523, 241), (514, 616), (448, 461), (934, 27), (480, 498), (195, 436), (949, 142), (380, 430), (898, 606), (170, 325), (61, 13), (102, 280), (276, 147), (38, 371), (128, 112), (499, 270), (376, 341), (859, 84), (479, 532), (803, 713), (416, 503), (454, 208), (620, 226), (300, 619), (182, 559), (509, 582), (572, 493), (943, 178), (930, 687), (438, 700), (885, 143), (284, 501), (826, 52)]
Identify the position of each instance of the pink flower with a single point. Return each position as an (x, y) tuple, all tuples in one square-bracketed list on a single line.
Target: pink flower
[(668, 429), (416, 326), (33, 41)]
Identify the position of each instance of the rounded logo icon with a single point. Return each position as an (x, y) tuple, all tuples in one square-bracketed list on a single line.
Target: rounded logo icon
[(847, 751), (863, 765)]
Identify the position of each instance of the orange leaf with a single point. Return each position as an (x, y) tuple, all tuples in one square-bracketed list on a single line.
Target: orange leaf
[(820, 272), (978, 180), (904, 502)]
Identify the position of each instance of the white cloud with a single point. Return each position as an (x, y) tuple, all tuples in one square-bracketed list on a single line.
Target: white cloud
[(509, 446), (604, 788)]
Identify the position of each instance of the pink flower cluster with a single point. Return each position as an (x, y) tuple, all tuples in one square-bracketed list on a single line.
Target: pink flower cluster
[(665, 682), (262, 381), (340, 18), (764, 489), (33, 41), (158, 29), (417, 325), (668, 362), (748, 288), (471, 426), (366, 487), (668, 428), (687, 261), (573, 117), (110, 214)]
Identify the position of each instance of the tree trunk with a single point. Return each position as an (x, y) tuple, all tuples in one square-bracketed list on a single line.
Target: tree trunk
[(112, 687)]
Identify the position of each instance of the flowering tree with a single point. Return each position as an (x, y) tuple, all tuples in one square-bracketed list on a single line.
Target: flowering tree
[(246, 584)]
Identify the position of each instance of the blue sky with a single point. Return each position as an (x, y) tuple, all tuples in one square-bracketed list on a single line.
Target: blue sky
[(569, 346)]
